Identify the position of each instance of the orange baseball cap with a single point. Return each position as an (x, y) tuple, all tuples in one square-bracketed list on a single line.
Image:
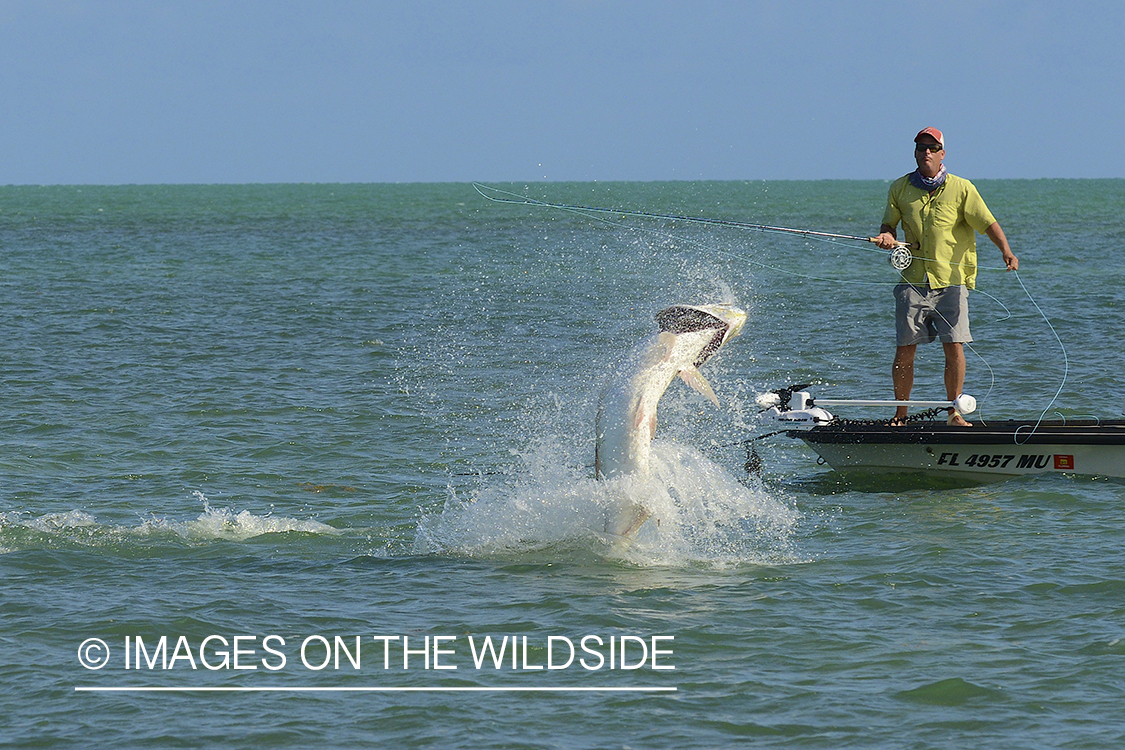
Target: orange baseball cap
[(931, 132)]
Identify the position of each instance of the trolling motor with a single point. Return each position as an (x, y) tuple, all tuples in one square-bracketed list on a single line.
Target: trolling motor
[(793, 406)]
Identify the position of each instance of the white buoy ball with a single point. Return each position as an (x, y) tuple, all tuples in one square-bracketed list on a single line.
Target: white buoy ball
[(965, 404)]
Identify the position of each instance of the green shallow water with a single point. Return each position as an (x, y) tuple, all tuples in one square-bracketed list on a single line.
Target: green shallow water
[(367, 410)]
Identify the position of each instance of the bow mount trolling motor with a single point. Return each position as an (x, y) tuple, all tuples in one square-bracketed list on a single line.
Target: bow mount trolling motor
[(794, 407)]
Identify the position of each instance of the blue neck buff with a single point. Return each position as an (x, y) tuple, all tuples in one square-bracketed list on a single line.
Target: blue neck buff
[(929, 184)]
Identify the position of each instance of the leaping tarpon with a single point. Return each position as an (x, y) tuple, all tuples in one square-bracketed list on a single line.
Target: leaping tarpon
[(689, 335)]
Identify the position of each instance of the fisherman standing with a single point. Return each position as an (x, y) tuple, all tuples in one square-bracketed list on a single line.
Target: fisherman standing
[(940, 215)]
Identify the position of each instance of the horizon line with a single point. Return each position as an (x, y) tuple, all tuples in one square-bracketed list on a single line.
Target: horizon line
[(518, 181), (368, 689)]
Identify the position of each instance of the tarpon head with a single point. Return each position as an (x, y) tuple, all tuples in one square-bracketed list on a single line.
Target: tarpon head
[(693, 334), (722, 322)]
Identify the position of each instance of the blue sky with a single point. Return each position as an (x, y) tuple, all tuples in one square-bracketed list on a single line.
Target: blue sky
[(421, 91)]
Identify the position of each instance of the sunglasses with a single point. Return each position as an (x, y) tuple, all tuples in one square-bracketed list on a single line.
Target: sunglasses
[(931, 147)]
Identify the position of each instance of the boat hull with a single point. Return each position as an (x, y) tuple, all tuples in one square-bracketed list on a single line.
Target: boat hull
[(993, 451)]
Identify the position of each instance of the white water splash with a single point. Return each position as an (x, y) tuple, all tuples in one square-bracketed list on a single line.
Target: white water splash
[(224, 523), (701, 514), (212, 524)]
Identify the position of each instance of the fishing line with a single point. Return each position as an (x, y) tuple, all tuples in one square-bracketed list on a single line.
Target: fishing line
[(900, 257), (592, 213), (719, 250), (522, 200), (1066, 363), (598, 214), (831, 239), (992, 375)]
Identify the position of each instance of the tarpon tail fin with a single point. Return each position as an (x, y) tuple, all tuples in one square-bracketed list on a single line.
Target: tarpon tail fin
[(693, 377)]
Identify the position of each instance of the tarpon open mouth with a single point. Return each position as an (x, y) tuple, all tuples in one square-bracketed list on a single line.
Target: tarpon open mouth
[(684, 319)]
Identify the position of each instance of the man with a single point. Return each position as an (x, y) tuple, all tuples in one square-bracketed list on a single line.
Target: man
[(940, 215)]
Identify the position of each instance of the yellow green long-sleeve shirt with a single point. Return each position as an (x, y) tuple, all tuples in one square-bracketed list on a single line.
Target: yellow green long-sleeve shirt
[(943, 225)]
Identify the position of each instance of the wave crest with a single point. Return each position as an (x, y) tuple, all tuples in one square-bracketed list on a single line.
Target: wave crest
[(79, 528)]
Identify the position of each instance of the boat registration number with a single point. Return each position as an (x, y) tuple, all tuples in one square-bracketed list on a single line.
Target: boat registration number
[(1002, 460)]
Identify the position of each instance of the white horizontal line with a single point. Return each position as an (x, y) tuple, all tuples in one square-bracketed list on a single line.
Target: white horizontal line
[(274, 689)]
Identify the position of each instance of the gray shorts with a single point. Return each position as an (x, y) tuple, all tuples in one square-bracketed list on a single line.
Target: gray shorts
[(923, 314)]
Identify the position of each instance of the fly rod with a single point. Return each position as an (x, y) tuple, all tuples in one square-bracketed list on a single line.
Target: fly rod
[(900, 257)]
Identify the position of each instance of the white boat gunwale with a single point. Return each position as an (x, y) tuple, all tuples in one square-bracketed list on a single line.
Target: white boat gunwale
[(993, 432)]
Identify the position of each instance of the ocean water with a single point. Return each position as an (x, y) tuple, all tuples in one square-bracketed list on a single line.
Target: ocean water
[(262, 422)]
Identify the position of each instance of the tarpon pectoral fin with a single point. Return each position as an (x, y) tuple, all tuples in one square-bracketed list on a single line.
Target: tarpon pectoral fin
[(693, 377), (666, 343)]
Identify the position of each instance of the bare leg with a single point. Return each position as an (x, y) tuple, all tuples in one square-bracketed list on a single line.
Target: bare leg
[(902, 375), (954, 378)]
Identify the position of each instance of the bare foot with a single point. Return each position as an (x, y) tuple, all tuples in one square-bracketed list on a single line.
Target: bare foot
[(897, 422), (956, 420)]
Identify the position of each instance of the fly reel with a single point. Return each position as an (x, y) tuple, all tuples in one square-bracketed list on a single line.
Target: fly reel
[(900, 258)]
